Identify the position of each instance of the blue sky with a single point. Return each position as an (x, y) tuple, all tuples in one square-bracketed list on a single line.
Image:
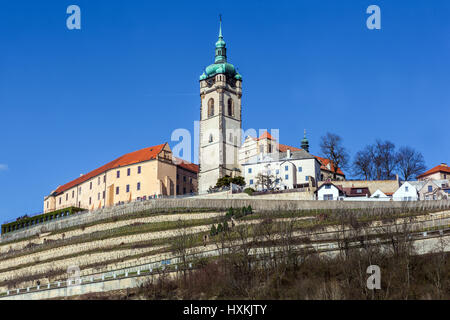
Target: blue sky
[(71, 101)]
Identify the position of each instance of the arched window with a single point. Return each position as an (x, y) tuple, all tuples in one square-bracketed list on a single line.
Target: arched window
[(211, 107), (230, 107)]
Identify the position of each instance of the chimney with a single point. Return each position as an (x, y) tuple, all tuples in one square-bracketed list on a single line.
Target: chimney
[(81, 174), (443, 164), (397, 177), (288, 153)]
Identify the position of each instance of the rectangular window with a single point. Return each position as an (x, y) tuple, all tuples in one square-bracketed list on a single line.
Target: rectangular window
[(184, 178), (104, 178), (358, 191), (300, 169), (59, 200), (278, 171), (430, 188), (90, 200), (286, 177), (327, 186), (73, 194), (139, 169), (90, 185), (117, 190), (306, 178), (128, 171), (286, 168), (103, 194), (406, 189), (327, 197), (79, 190), (184, 190), (67, 196), (251, 181), (139, 186), (249, 170), (98, 196), (128, 188), (118, 173)]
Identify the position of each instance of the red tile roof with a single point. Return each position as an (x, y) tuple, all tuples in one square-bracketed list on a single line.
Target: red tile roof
[(125, 160), (325, 163), (440, 168), (186, 165), (265, 135), (284, 148)]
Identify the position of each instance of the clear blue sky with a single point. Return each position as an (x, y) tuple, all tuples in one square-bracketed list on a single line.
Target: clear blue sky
[(71, 101)]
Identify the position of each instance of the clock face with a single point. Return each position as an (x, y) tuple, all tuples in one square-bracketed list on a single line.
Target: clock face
[(210, 82)]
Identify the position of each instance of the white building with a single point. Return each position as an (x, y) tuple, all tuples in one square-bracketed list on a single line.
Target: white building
[(406, 192), (329, 191), (288, 170), (380, 196)]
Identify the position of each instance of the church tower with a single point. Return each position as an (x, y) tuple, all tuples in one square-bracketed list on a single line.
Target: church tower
[(220, 119)]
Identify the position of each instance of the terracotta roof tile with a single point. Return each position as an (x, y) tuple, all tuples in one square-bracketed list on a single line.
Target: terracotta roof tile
[(186, 165), (125, 160), (325, 163), (265, 135), (284, 148), (440, 168)]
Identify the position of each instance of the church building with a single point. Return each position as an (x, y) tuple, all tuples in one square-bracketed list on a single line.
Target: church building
[(220, 119)]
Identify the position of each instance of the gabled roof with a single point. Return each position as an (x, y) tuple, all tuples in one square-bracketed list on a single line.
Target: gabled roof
[(440, 168), (186, 165), (266, 135), (125, 160)]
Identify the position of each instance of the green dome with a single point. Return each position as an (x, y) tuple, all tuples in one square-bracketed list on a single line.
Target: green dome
[(220, 65)]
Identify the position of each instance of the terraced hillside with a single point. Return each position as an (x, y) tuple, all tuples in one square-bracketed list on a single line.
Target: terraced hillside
[(135, 235)]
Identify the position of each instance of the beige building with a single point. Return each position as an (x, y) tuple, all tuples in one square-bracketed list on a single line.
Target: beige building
[(440, 172), (142, 174)]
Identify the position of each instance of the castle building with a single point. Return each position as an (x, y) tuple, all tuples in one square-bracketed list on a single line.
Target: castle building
[(139, 175), (220, 119), (254, 149)]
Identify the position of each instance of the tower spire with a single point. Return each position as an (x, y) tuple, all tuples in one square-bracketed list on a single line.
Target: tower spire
[(220, 26), (305, 142), (221, 50)]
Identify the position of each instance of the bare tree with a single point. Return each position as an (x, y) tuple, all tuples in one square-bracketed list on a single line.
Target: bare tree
[(364, 165), (182, 245), (385, 159), (265, 180), (410, 162), (332, 148)]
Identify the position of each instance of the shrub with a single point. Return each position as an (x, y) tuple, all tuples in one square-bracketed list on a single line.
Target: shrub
[(249, 191), (213, 231), (219, 228)]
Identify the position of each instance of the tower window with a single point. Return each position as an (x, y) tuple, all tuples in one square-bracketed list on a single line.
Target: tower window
[(230, 107), (210, 138), (211, 107)]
